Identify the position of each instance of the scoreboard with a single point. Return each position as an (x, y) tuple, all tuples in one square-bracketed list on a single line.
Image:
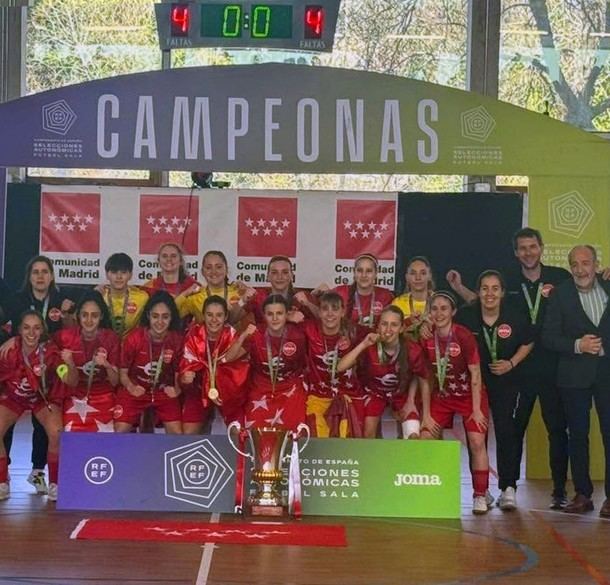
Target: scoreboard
[(305, 25)]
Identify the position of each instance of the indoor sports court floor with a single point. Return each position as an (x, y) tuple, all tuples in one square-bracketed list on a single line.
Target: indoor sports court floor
[(531, 545)]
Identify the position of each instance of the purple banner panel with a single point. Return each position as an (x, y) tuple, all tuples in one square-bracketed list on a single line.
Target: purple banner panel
[(3, 196), (172, 473)]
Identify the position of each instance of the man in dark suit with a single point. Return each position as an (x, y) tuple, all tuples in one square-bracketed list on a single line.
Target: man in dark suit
[(577, 326)]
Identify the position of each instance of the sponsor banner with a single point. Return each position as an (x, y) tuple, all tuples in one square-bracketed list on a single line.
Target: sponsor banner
[(273, 117), (107, 471), (570, 212), (322, 232), (416, 479), (194, 474)]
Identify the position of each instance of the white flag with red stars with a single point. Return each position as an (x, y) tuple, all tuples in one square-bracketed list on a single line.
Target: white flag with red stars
[(70, 222), (267, 226), (172, 218), (365, 226)]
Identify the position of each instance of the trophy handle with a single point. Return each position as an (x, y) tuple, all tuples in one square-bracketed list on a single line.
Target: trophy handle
[(235, 425), (303, 427)]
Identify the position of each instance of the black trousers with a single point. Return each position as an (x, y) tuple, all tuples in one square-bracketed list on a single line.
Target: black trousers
[(577, 402), (553, 415), (40, 444), (503, 401)]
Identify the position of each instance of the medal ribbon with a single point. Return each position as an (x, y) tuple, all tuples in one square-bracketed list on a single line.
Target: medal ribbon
[(332, 370), (212, 362), (45, 307), (368, 321), (92, 370), (274, 371), (154, 379), (491, 342), (532, 307), (383, 356), (442, 362), (42, 387)]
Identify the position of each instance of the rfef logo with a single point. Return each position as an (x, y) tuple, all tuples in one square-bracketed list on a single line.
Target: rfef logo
[(98, 470), (196, 473)]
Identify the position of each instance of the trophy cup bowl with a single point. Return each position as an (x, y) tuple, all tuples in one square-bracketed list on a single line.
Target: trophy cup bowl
[(268, 445)]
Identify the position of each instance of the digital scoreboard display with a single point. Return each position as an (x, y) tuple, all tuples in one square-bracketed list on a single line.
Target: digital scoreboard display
[(280, 24)]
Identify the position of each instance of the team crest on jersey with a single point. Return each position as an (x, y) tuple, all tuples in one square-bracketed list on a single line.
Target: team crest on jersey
[(23, 389), (118, 411), (377, 307), (54, 314), (88, 367), (37, 369), (168, 354), (454, 349), (131, 307), (505, 331), (547, 289), (343, 343), (388, 380), (289, 348)]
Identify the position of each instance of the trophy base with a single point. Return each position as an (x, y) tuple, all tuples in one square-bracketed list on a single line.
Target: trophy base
[(258, 510)]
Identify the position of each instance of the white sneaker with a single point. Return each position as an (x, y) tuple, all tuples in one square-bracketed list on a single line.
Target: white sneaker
[(479, 505), (508, 499), (37, 479), (52, 492), (489, 499), (5, 491)]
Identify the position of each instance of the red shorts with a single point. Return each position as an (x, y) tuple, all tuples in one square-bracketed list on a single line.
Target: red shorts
[(129, 408), (193, 410), (375, 404), (20, 404), (94, 416), (443, 409), (284, 409)]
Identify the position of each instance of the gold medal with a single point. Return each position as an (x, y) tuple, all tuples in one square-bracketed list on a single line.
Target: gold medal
[(213, 393)]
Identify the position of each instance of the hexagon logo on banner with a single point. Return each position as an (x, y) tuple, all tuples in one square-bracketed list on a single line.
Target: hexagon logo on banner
[(196, 473), (58, 117), (569, 214), (477, 124)]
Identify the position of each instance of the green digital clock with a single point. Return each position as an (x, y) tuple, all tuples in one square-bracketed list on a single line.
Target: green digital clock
[(281, 24)]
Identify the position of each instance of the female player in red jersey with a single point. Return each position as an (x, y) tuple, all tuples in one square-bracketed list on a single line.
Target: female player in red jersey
[(280, 276), (92, 350), (215, 271), (277, 349), (454, 359), (27, 373), (172, 277), (206, 378), (389, 369), (149, 367), (335, 400), (415, 301), (363, 300)]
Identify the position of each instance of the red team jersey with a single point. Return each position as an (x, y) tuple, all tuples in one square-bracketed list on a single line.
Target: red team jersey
[(380, 376), (284, 404), (141, 357), (230, 377), (83, 352), (366, 309), (22, 380), (322, 351), (462, 352), (255, 305)]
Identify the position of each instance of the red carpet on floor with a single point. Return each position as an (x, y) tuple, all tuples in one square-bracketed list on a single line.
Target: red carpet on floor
[(253, 533)]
